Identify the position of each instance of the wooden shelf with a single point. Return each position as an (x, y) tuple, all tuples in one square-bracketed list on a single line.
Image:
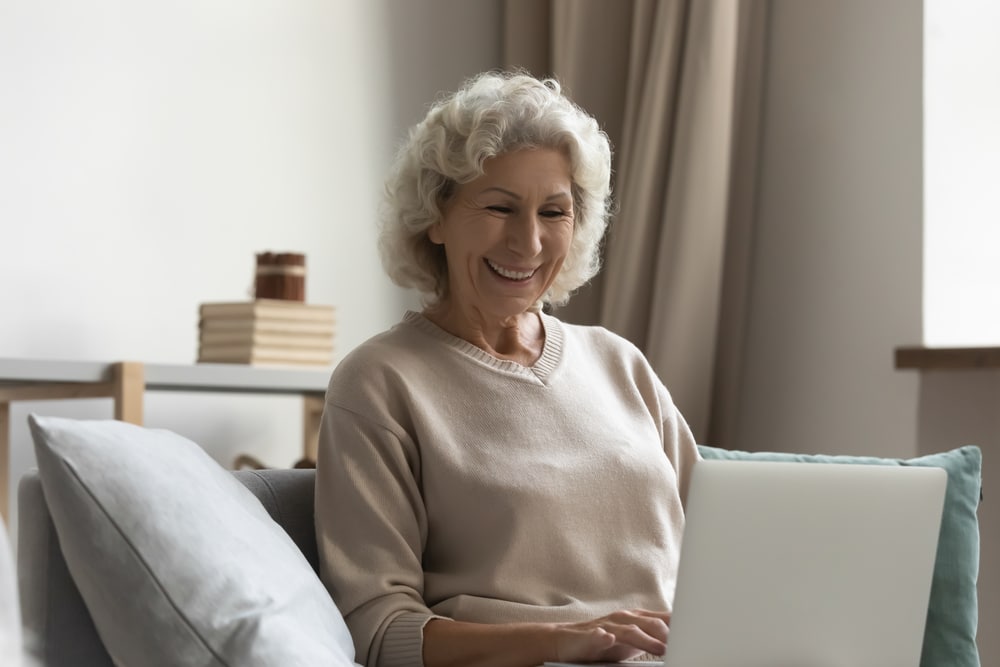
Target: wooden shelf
[(126, 382), (947, 358)]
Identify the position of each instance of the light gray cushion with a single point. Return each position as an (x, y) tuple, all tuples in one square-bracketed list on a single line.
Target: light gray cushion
[(177, 562)]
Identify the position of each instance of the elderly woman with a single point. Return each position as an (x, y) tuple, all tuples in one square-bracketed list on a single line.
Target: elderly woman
[(497, 487)]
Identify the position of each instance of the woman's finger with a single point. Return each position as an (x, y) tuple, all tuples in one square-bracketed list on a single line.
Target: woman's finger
[(651, 639), (655, 624)]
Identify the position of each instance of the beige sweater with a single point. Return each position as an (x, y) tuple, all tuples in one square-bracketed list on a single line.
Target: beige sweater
[(455, 484)]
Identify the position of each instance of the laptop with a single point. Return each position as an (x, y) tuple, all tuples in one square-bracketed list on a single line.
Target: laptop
[(805, 565)]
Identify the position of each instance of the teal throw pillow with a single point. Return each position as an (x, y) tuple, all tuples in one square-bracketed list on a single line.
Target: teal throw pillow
[(953, 612)]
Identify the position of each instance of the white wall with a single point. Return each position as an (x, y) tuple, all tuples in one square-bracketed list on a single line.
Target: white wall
[(151, 148), (837, 264)]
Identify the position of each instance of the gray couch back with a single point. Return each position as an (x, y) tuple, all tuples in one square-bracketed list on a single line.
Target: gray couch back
[(57, 625)]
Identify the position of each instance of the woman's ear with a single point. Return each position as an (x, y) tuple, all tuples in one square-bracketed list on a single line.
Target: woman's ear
[(435, 233)]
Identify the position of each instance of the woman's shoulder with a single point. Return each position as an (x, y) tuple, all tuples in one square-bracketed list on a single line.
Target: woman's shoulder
[(384, 351), (600, 347), (597, 337)]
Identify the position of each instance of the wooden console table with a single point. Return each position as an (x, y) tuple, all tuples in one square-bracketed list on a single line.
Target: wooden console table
[(127, 381)]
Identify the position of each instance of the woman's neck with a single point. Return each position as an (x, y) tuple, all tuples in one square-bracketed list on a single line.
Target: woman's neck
[(519, 338)]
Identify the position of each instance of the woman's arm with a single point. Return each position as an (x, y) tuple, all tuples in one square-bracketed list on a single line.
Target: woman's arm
[(678, 442), (370, 531), (617, 636)]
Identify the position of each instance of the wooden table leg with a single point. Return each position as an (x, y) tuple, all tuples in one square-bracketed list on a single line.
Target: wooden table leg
[(129, 385), (312, 414), (5, 462)]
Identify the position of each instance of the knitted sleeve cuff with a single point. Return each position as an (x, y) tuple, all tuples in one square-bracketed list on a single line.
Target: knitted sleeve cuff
[(403, 641)]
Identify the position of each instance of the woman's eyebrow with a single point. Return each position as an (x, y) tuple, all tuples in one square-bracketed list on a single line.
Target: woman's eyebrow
[(494, 188), (562, 194)]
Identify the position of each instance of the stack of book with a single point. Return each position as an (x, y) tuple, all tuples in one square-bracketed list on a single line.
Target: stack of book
[(266, 332)]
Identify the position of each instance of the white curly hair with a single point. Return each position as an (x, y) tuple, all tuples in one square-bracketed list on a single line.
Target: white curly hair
[(492, 114)]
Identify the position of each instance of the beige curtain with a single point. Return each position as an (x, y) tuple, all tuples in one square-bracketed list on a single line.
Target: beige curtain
[(675, 84)]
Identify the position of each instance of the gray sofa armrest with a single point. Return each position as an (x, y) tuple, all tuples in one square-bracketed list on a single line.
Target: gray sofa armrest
[(288, 496), (58, 630)]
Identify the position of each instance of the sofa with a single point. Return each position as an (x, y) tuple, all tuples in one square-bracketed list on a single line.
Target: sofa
[(55, 620), (135, 548)]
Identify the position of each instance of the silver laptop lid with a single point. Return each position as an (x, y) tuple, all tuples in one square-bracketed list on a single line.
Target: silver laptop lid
[(805, 565)]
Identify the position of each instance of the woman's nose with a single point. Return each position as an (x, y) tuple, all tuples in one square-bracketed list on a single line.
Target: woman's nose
[(524, 234)]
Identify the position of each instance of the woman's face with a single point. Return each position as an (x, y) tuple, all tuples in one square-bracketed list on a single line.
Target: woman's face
[(507, 233)]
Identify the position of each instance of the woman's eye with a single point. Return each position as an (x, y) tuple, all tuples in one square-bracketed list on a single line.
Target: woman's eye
[(499, 209), (553, 214)]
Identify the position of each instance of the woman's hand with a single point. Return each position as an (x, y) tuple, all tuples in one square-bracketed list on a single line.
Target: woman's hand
[(618, 636)]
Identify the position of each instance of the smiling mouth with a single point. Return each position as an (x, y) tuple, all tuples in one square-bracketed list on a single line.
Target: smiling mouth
[(507, 273)]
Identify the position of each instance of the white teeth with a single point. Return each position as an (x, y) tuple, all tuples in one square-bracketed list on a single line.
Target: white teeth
[(512, 275)]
